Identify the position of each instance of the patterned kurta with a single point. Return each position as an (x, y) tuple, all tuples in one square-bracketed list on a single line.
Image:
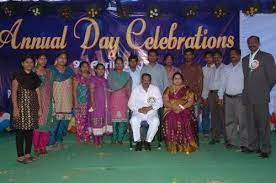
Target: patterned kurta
[(28, 109), (62, 94)]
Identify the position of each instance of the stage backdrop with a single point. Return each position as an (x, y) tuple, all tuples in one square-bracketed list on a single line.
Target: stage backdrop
[(109, 35)]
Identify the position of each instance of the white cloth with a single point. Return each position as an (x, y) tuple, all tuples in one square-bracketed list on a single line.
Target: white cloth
[(252, 57), (206, 75), (153, 122), (140, 98), (135, 76), (215, 78), (232, 80)]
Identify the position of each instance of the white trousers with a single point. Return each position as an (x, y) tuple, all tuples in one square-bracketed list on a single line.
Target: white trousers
[(135, 122)]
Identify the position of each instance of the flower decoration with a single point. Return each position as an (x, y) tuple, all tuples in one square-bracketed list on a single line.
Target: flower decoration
[(153, 12), (273, 6), (65, 12), (219, 12), (124, 12), (9, 9), (190, 11), (93, 11), (36, 10), (251, 10)]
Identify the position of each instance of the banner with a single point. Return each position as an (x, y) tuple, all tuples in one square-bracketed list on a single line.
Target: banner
[(106, 37)]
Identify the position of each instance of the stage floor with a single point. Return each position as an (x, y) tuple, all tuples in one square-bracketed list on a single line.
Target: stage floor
[(117, 164)]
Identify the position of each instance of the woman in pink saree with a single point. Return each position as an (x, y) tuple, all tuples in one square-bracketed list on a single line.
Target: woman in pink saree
[(180, 130)]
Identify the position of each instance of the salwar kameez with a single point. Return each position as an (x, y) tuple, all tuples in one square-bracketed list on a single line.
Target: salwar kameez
[(100, 117), (61, 104), (120, 86), (41, 135), (82, 114)]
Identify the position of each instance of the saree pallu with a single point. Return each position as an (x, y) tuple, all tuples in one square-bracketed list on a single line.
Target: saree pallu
[(180, 129)]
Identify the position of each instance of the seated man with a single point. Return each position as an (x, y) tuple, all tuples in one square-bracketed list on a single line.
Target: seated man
[(144, 102)]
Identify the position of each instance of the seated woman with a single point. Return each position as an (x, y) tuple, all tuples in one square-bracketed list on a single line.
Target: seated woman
[(179, 128)]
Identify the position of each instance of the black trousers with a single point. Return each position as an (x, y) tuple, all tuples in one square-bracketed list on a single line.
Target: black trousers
[(21, 137)]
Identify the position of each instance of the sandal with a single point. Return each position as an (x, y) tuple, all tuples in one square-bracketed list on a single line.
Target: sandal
[(31, 159), (22, 161)]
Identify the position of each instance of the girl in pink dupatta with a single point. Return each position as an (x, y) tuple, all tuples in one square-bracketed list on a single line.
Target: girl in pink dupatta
[(41, 135), (119, 85), (83, 102), (179, 122)]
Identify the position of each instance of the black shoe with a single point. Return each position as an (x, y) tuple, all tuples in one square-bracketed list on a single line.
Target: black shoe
[(264, 155), (259, 151), (147, 146), (138, 146), (212, 142), (229, 146), (246, 150)]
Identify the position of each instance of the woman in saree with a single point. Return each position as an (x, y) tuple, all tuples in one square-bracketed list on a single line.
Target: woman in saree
[(119, 84), (100, 117), (41, 135), (180, 130), (83, 102)]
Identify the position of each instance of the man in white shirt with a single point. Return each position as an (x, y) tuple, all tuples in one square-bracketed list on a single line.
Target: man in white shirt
[(144, 102), (235, 111), (134, 71), (208, 57), (214, 84)]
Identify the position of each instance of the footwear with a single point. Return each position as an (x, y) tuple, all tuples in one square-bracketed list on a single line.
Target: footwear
[(138, 146), (264, 155), (21, 160), (246, 150), (229, 146), (43, 152), (147, 146), (52, 148), (212, 142), (31, 158)]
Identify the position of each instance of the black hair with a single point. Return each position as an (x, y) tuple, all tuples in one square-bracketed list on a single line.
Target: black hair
[(133, 57), (237, 50), (188, 50), (178, 73), (84, 62), (40, 55), (168, 55), (253, 36), (145, 75), (25, 57), (153, 51), (208, 53), (217, 52), (61, 53), (98, 65), (118, 58)]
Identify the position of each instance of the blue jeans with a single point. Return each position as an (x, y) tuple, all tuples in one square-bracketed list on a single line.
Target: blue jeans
[(58, 131)]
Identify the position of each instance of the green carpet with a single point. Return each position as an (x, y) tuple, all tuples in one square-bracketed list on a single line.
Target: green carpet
[(117, 164)]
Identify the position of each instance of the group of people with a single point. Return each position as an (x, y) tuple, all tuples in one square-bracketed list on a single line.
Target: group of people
[(233, 99)]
